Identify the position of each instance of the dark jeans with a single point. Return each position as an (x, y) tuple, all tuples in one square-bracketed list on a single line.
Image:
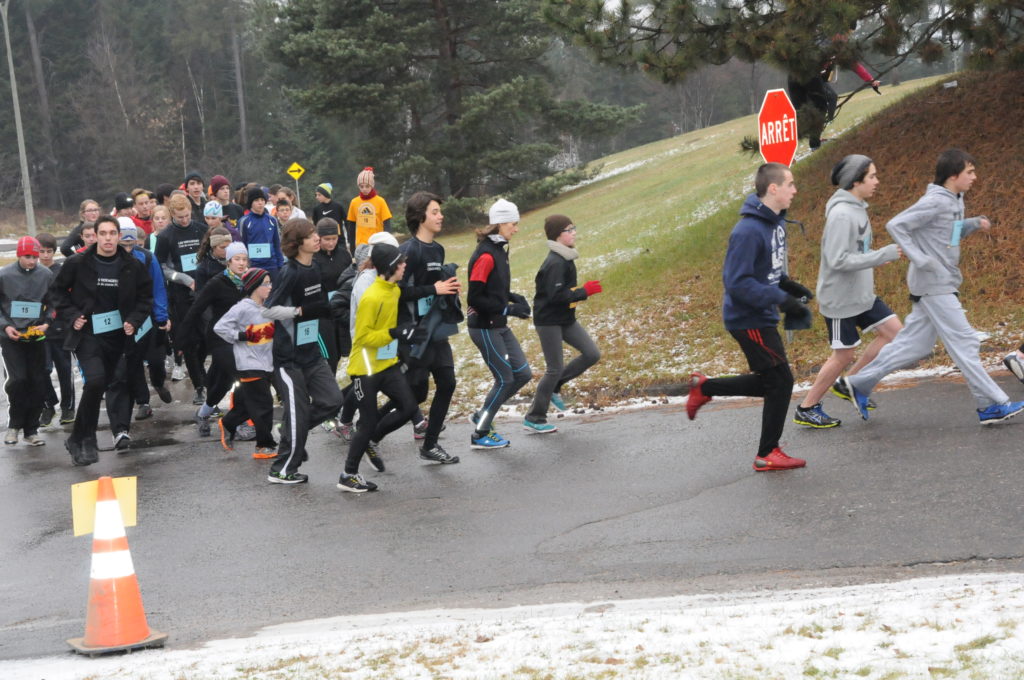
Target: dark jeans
[(253, 401), (221, 375), (98, 359), (26, 382), (770, 377), (59, 358)]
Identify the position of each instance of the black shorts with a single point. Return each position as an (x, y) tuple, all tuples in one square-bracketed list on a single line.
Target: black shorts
[(762, 347), (842, 333)]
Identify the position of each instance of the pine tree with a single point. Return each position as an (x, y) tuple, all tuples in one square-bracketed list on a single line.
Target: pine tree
[(450, 95)]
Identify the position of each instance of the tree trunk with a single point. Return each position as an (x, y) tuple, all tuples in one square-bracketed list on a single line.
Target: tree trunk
[(52, 195), (243, 132), (447, 48)]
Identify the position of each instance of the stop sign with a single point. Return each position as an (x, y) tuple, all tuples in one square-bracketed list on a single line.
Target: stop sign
[(776, 128)]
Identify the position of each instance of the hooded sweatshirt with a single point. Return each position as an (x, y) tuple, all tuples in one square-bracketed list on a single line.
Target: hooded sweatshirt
[(929, 233), (753, 268), (24, 286), (846, 280), (250, 356)]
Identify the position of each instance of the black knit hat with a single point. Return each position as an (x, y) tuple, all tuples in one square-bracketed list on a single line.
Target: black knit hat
[(194, 175), (252, 278), (252, 195), (386, 259), (122, 201), (555, 225), (327, 226)]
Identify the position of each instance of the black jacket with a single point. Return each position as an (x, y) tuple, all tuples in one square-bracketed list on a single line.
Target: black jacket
[(557, 294), (73, 291), (487, 301), (218, 296), (73, 241), (297, 286), (209, 268)]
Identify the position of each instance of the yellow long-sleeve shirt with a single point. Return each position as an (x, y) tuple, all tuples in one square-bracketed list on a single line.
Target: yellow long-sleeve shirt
[(376, 315)]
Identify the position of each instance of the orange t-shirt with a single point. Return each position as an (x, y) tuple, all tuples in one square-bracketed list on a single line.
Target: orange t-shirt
[(368, 216)]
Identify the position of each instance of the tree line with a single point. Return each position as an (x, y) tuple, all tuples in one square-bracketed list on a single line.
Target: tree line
[(465, 98)]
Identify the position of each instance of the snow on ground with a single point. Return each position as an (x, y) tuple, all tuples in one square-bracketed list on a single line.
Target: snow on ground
[(950, 626)]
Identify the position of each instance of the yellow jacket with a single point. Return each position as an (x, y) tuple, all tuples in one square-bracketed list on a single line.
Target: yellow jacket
[(376, 315)]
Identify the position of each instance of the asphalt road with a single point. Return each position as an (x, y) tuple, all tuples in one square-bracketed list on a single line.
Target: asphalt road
[(637, 504)]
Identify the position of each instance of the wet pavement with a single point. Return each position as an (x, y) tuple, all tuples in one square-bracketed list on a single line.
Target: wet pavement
[(634, 504)]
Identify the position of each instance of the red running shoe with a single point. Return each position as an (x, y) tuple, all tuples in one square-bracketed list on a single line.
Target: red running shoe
[(696, 398), (777, 460)]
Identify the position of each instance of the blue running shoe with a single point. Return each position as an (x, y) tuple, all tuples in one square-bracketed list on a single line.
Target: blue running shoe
[(556, 401), (859, 400), (538, 428), (840, 391), (997, 413), (491, 440)]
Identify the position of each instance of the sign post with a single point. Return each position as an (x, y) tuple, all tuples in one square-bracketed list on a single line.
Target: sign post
[(296, 171), (776, 128)]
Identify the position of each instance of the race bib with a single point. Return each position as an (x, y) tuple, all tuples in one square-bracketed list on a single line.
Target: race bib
[(259, 250), (25, 310), (388, 351), (423, 305), (306, 332), (106, 322), (143, 329), (958, 230), (188, 262)]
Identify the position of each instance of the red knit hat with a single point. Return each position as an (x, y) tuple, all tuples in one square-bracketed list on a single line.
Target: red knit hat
[(28, 245)]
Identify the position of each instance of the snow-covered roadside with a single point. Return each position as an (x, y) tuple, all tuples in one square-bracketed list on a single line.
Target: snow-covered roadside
[(950, 626)]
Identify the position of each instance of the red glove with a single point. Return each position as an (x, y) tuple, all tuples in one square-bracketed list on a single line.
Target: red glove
[(268, 331), (253, 333), (592, 287)]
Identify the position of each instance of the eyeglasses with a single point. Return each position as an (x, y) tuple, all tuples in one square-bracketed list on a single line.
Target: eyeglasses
[(91, 210), (266, 284), (569, 230)]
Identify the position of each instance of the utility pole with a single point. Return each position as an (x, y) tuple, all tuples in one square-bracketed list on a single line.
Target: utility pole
[(30, 215)]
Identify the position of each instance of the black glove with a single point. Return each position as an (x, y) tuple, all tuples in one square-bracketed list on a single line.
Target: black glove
[(516, 297), (409, 333), (795, 289), (798, 320), (793, 306), (519, 309)]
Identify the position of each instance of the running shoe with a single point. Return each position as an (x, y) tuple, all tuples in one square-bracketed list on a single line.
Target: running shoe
[(34, 440), (815, 416), (354, 484), (344, 432), (419, 430), (437, 454), (538, 428), (264, 453), (373, 455), (556, 401), (839, 390), (11, 438), (491, 440), (202, 424), (1014, 365), (997, 413), (164, 394), (143, 411), (122, 440), (293, 478), (696, 398), (859, 400), (227, 439), (67, 415), (777, 460), (46, 416)]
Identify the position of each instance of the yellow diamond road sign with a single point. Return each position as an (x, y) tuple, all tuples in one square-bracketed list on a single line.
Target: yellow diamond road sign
[(296, 170)]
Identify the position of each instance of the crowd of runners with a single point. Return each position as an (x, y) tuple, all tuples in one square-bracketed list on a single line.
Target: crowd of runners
[(242, 293)]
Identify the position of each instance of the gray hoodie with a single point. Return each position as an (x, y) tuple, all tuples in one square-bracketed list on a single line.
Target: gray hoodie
[(846, 282), (231, 327), (929, 233), (24, 285)]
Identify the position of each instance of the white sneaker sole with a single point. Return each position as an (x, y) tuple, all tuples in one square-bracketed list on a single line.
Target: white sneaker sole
[(533, 430)]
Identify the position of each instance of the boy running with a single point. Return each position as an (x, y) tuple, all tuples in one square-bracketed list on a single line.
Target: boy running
[(929, 233), (756, 288)]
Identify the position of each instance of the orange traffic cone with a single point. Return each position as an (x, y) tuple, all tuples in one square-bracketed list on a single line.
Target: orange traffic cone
[(115, 620)]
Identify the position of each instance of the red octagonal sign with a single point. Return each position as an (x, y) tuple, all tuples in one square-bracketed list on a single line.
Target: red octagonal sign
[(776, 128)]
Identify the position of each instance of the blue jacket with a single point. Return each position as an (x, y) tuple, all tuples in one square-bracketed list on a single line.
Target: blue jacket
[(159, 290), (262, 229), (753, 268)]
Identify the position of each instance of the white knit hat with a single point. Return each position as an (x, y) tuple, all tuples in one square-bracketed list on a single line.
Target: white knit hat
[(383, 237), (235, 248), (503, 211)]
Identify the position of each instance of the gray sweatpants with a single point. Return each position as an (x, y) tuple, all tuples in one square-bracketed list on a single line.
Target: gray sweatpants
[(934, 316), (551, 339)]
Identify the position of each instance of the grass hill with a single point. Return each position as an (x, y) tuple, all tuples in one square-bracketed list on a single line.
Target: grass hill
[(655, 224)]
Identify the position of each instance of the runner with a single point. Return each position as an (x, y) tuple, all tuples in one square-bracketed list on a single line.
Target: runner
[(490, 304), (103, 296), (308, 391), (929, 233), (554, 317), (846, 285), (261, 233), (56, 356), (368, 213), (755, 289), (332, 261), (25, 318)]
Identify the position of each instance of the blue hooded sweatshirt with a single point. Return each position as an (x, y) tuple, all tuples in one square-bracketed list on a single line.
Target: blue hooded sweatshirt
[(753, 268), (260, 232)]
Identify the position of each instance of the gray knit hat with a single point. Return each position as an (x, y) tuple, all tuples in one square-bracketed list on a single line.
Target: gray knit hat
[(849, 170)]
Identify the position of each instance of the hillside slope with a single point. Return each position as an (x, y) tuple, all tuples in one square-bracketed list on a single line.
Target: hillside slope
[(653, 228)]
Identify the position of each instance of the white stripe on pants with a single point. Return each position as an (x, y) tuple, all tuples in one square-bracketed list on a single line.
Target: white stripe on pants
[(934, 316)]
